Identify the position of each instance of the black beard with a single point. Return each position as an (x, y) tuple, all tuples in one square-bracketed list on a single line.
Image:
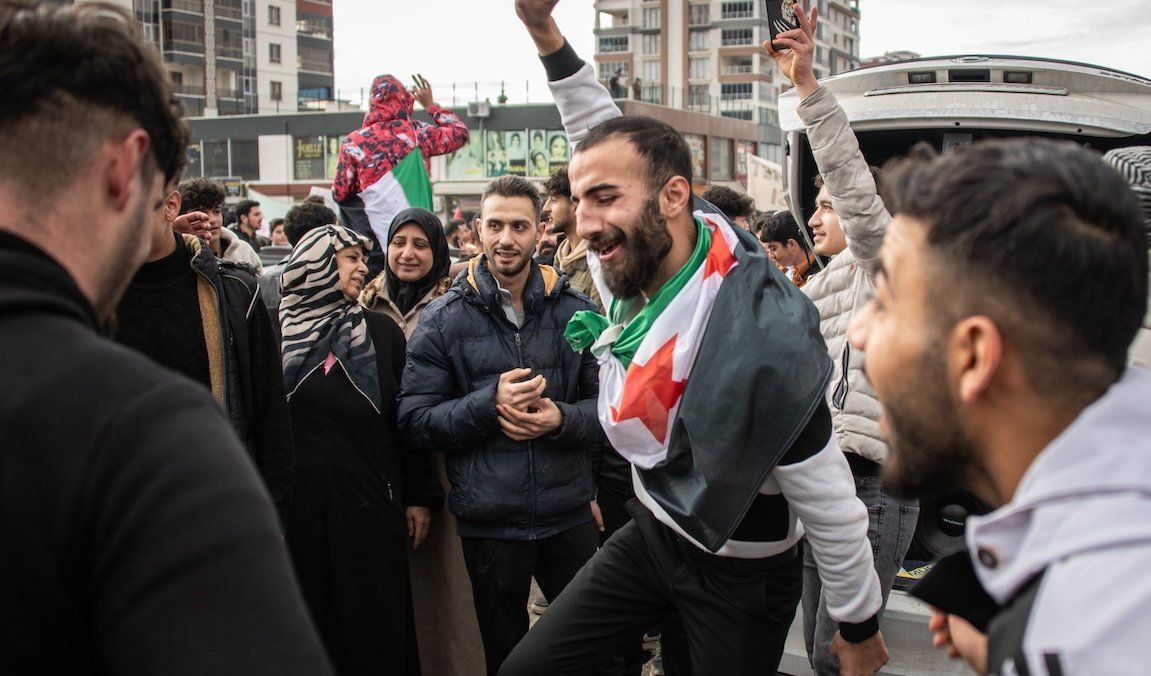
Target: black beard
[(930, 453), (644, 249)]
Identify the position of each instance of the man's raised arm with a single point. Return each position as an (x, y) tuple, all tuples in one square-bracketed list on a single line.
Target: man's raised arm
[(582, 101)]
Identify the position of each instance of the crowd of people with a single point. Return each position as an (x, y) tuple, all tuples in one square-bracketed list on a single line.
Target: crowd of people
[(677, 415)]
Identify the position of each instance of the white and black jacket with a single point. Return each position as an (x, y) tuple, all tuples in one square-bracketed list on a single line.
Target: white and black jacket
[(1062, 568)]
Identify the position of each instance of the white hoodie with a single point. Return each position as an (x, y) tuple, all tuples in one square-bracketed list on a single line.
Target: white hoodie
[(1083, 513)]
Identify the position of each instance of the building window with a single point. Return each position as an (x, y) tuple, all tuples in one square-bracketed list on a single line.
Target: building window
[(608, 68), (273, 15), (651, 17), (245, 159), (737, 36), (215, 157), (277, 92), (699, 15), (720, 161), (273, 53), (315, 59), (315, 25), (697, 41), (613, 43), (651, 43), (698, 97), (699, 68), (650, 71), (738, 66), (738, 91), (737, 10)]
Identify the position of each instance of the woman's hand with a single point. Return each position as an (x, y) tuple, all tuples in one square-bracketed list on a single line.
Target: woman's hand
[(419, 518)]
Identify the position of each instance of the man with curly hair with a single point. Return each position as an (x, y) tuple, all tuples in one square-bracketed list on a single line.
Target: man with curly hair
[(200, 194)]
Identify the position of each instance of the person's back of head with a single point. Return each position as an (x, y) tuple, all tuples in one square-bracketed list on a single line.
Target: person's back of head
[(731, 203), (88, 112), (305, 217), (1042, 238)]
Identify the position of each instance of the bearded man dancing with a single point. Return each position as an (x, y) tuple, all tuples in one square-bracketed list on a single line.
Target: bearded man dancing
[(707, 358)]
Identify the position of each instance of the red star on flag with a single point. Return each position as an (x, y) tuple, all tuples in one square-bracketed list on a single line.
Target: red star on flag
[(720, 259), (649, 392)]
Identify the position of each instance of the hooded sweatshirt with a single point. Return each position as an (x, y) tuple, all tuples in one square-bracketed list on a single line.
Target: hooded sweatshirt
[(1064, 563), (389, 134)]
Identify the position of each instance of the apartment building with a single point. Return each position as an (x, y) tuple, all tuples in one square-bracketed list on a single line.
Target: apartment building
[(228, 57), (706, 55)]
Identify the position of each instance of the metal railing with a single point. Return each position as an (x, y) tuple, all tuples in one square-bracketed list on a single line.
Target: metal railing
[(229, 11), (737, 41), (188, 90), (228, 52), (315, 66), (314, 30), (184, 46), (741, 69), (191, 6), (737, 13)]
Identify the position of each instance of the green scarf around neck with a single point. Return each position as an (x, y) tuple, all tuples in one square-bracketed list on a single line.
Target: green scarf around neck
[(586, 326)]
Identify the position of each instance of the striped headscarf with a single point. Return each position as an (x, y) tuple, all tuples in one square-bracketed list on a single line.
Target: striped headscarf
[(317, 319), (1134, 164)]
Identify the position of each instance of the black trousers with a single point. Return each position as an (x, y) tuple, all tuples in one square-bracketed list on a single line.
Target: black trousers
[(735, 613), (501, 572)]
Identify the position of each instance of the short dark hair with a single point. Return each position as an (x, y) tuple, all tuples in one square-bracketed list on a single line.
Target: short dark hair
[(306, 217), (558, 184), (780, 227), (730, 202), (1044, 238), (662, 147), (513, 186), (73, 77), (200, 194), (244, 208), (275, 223), (315, 199)]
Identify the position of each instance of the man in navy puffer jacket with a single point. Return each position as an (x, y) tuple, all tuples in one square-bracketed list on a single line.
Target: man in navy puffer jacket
[(491, 381)]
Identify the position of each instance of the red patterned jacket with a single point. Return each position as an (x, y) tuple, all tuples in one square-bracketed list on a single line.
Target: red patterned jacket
[(389, 134)]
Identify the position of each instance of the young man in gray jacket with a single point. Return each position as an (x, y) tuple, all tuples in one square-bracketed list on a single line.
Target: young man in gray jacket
[(849, 223)]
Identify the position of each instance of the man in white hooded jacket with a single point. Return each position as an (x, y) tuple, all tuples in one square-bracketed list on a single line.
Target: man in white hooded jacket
[(1011, 283)]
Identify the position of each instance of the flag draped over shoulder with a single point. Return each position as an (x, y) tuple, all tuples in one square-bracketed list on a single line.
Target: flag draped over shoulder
[(707, 384), (646, 350), (407, 185)]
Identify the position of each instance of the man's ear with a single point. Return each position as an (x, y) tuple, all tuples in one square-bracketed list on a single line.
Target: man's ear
[(975, 354), (121, 162), (172, 206), (675, 197)]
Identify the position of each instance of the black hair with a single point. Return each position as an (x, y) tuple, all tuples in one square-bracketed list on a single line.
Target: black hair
[(558, 184), (514, 186), (275, 223), (730, 202), (244, 207), (1043, 237), (73, 77), (305, 217), (200, 194), (662, 147), (780, 227)]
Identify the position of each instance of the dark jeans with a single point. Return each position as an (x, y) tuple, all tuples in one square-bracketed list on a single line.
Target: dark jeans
[(501, 572), (891, 525), (735, 613)]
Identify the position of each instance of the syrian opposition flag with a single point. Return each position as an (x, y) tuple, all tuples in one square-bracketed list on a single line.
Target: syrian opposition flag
[(406, 185), (646, 350)]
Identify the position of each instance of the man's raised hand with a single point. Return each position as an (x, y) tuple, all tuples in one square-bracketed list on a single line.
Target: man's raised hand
[(194, 223), (536, 16), (796, 61)]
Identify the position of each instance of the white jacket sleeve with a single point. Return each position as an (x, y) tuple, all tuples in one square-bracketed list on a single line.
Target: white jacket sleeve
[(847, 176), (821, 490), (583, 102)]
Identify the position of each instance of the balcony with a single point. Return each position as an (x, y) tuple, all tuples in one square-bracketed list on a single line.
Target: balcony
[(230, 94), (737, 69), (229, 11), (315, 66), (314, 30), (184, 46), (189, 6), (188, 90), (737, 41), (737, 13)]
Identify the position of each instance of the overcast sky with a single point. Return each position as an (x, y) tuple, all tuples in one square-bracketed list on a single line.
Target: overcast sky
[(450, 41)]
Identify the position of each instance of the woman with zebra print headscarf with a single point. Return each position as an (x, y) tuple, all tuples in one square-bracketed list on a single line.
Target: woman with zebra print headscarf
[(359, 499)]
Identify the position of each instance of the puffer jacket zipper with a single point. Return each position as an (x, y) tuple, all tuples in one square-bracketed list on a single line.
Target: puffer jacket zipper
[(531, 455)]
